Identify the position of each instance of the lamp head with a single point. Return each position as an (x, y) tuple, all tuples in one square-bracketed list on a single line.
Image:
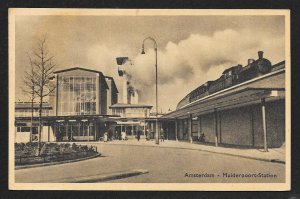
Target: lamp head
[(121, 60), (143, 50)]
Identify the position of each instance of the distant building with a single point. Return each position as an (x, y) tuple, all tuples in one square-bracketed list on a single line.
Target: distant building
[(112, 93), (133, 117), (24, 109), (23, 113)]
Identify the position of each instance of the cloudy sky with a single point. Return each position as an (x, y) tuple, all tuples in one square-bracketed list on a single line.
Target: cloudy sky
[(191, 49)]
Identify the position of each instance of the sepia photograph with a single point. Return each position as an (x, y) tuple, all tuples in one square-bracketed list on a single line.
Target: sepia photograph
[(142, 99)]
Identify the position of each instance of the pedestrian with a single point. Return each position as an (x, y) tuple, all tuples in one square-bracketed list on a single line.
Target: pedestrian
[(123, 135), (147, 135), (117, 135), (162, 135), (105, 137), (138, 135)]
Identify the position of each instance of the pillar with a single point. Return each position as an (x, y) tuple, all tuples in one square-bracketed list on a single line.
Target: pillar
[(144, 128), (88, 131), (199, 127), (263, 110), (71, 132), (176, 129), (67, 128), (95, 130), (190, 123), (48, 132), (132, 129), (156, 132), (216, 127)]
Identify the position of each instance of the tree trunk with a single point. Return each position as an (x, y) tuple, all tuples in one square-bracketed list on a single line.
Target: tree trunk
[(40, 120), (31, 124)]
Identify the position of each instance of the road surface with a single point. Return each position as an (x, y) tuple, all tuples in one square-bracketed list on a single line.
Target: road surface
[(165, 165)]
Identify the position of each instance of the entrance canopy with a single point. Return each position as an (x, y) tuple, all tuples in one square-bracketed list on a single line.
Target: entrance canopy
[(71, 118)]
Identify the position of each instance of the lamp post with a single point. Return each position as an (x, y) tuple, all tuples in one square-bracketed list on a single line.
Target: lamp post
[(156, 96)]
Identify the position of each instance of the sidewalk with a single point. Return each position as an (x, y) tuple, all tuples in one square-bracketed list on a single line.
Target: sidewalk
[(273, 155)]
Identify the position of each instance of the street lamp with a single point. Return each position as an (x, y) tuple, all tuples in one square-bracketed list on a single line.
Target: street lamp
[(156, 98)]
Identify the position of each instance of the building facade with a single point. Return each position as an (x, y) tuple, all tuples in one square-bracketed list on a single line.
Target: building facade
[(133, 118), (248, 114), (79, 106), (26, 120)]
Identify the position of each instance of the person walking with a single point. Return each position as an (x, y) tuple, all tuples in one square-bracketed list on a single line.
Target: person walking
[(123, 135), (105, 137), (138, 135), (162, 135)]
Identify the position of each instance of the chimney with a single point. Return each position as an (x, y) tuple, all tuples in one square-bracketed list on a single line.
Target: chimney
[(260, 54), (250, 61)]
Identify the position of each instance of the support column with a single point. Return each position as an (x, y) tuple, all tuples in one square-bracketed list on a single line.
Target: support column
[(132, 129), (176, 129), (263, 110), (71, 132), (190, 122), (252, 127), (199, 127), (156, 132), (216, 127), (48, 133), (95, 130), (144, 128), (67, 128), (88, 131)]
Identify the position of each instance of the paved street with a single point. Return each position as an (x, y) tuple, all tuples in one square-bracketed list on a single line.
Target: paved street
[(164, 165)]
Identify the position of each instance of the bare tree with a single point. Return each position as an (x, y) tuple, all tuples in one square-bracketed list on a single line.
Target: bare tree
[(42, 72), (29, 81)]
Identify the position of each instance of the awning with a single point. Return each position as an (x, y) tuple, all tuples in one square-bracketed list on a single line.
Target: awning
[(128, 122), (244, 97)]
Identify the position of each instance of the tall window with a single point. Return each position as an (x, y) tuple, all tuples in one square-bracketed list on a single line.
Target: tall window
[(76, 95)]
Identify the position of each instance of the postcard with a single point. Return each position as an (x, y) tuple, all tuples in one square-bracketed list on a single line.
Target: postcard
[(144, 99)]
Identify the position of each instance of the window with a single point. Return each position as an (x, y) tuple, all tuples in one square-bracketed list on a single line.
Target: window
[(77, 95), (24, 129)]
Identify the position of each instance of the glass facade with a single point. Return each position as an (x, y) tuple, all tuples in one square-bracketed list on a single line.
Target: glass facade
[(74, 131), (76, 95)]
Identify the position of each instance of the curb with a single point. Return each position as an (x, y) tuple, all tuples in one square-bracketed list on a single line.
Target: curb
[(222, 153), (55, 163), (103, 177)]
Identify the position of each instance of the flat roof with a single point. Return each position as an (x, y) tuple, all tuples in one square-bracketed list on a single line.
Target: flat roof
[(72, 117), (84, 69), (27, 105), (122, 105), (76, 68), (239, 98)]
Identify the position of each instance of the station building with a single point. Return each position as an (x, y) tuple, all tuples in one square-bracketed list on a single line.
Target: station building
[(79, 106), (83, 107), (250, 114)]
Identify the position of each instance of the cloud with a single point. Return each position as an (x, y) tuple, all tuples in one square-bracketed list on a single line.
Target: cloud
[(184, 65), (197, 59)]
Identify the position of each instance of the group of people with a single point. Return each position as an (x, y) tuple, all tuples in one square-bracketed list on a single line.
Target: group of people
[(150, 135), (105, 136), (122, 136)]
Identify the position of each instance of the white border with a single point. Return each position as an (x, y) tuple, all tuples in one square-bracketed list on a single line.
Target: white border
[(145, 186)]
